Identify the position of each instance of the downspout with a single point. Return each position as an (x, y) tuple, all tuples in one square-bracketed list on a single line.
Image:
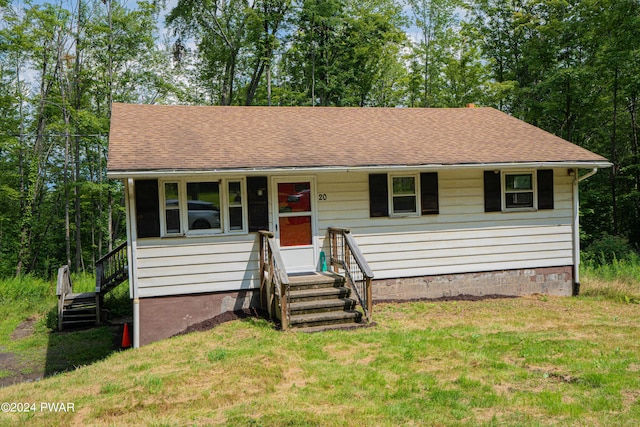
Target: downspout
[(133, 262), (576, 228)]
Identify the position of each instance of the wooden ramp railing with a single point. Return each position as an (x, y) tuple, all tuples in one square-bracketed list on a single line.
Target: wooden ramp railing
[(345, 254)]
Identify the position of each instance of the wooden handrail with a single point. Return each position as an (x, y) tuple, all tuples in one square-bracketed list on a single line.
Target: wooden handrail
[(341, 256), (113, 251), (63, 288), (111, 269), (274, 280)]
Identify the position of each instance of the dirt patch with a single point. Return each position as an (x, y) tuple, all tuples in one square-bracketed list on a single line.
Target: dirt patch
[(227, 316), (19, 371), (24, 329)]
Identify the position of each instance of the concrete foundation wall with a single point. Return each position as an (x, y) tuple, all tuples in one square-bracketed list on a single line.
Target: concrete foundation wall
[(549, 280), (163, 317)]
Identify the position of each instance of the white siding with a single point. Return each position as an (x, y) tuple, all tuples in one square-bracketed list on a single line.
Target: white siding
[(174, 266), (461, 239)]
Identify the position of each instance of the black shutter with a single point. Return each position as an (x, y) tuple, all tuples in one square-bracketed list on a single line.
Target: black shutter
[(545, 189), (147, 208), (258, 202), (429, 193), (492, 192), (378, 195)]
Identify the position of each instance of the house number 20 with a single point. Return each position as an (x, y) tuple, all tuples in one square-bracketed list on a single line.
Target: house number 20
[(322, 196)]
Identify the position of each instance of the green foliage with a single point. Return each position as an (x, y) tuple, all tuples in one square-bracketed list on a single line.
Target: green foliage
[(568, 66), (29, 289), (608, 249), (611, 271), (118, 302), (54, 119), (625, 270)]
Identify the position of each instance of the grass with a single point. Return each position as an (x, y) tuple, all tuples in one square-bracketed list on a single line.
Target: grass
[(41, 352), (618, 280), (531, 361), (525, 361)]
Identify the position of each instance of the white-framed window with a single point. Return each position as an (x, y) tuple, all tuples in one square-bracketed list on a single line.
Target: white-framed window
[(235, 205), (171, 208), (403, 195), (203, 207), (519, 190)]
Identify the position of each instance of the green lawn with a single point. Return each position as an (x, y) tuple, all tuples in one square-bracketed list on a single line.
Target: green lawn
[(28, 313), (524, 361)]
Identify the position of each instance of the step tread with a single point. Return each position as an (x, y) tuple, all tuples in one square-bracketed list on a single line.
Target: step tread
[(314, 277), (69, 307), (79, 318), (315, 280), (319, 292), (322, 317), (80, 312), (77, 322), (80, 296), (332, 327), (326, 303)]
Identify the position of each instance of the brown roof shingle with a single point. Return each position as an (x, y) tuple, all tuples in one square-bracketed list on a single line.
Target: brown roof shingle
[(153, 137)]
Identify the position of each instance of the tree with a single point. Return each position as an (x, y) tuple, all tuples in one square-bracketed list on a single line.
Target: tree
[(436, 20), (57, 80), (340, 51), (236, 40)]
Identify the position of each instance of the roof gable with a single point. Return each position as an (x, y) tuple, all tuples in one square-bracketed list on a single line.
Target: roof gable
[(187, 138)]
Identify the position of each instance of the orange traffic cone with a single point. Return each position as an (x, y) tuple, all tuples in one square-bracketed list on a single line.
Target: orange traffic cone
[(126, 341)]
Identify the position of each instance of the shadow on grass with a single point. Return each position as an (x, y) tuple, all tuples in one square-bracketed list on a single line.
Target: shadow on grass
[(70, 349)]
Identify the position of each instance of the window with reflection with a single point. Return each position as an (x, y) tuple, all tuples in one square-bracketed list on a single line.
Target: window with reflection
[(235, 205), (172, 208), (403, 195), (518, 190), (294, 197), (195, 208), (203, 205)]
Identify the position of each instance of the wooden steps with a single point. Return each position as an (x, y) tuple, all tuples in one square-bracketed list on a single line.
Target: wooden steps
[(84, 309), (319, 301), (79, 310)]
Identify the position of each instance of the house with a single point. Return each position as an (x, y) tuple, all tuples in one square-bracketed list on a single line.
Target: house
[(441, 202)]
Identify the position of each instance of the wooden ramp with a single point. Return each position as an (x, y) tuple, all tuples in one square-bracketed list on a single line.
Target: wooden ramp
[(76, 310)]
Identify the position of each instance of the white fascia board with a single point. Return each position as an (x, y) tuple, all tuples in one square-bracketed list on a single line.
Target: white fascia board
[(373, 168)]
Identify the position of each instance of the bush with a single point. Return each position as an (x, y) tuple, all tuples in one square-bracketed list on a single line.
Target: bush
[(608, 249)]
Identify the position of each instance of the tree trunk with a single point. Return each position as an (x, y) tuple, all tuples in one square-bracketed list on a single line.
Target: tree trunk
[(614, 154), (33, 182), (76, 188)]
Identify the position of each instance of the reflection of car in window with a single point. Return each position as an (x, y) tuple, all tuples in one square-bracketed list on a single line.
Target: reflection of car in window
[(298, 202), (202, 215)]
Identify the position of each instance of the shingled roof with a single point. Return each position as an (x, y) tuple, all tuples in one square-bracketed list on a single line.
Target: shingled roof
[(201, 138)]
